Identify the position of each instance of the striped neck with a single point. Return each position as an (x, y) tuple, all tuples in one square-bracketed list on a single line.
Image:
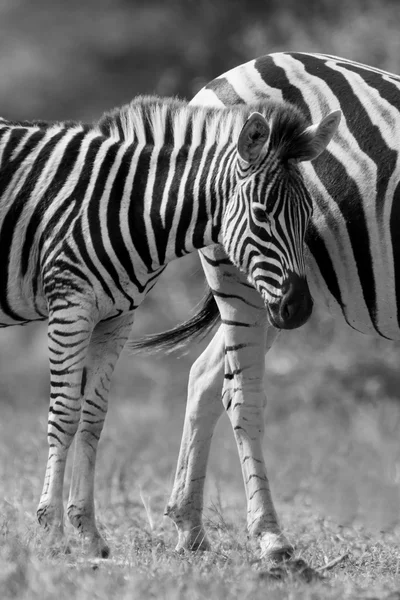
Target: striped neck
[(185, 173), (179, 197)]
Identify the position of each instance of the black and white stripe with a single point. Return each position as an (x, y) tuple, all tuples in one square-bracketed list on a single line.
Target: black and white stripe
[(354, 185), (109, 198), (91, 215)]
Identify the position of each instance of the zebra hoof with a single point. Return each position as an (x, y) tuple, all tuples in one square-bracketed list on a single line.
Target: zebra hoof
[(193, 541), (275, 547), (99, 548)]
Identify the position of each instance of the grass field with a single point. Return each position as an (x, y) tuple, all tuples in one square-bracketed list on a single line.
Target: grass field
[(331, 443), (335, 491)]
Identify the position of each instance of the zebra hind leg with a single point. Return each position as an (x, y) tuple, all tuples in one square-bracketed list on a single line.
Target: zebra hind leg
[(68, 340), (203, 410), (107, 342)]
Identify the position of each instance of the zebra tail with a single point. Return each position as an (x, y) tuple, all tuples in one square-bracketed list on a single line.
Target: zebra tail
[(177, 338)]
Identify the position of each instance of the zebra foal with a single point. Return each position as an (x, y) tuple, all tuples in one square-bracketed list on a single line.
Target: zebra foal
[(91, 214), (352, 252)]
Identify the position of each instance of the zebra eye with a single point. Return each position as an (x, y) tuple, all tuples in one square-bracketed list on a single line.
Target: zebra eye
[(260, 213)]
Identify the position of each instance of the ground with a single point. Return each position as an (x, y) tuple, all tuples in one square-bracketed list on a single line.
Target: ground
[(336, 493)]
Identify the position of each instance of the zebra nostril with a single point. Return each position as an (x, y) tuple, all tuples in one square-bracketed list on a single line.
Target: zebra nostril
[(295, 305), (290, 309), (285, 311)]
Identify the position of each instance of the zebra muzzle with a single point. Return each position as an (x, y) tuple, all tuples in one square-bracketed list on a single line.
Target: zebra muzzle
[(294, 307)]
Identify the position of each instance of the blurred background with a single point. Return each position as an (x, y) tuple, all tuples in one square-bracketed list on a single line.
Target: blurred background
[(333, 415)]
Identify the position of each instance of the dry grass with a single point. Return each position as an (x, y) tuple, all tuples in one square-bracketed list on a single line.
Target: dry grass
[(336, 491)]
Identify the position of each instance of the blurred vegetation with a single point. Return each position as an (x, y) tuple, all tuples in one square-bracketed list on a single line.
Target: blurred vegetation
[(76, 59)]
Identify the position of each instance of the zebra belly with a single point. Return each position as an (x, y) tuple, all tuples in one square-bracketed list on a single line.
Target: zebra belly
[(20, 310), (354, 258), (347, 300)]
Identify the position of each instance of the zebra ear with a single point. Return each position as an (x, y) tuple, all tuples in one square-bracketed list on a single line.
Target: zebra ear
[(253, 137), (317, 137)]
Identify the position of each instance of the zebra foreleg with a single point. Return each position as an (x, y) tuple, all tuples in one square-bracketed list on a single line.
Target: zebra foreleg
[(107, 342), (202, 413), (68, 340), (244, 400), (247, 336)]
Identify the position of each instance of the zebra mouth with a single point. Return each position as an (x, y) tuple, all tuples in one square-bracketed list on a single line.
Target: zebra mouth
[(294, 307), (297, 316)]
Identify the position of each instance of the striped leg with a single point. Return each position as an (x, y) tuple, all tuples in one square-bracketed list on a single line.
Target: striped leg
[(247, 336), (244, 400), (68, 338), (202, 413), (107, 342), (237, 349)]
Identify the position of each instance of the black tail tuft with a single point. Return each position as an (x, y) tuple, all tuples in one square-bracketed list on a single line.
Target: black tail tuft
[(177, 338)]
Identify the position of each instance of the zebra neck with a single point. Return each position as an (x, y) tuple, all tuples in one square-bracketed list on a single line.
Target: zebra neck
[(178, 198)]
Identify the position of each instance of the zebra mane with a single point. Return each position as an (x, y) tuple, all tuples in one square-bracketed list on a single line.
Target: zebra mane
[(159, 121), (169, 121)]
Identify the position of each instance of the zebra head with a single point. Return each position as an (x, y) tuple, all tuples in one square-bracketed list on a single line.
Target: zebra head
[(264, 225)]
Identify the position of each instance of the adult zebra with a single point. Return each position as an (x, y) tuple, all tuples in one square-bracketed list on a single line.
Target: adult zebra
[(353, 267), (90, 216)]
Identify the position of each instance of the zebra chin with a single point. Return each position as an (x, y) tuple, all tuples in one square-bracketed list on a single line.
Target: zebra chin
[(294, 307)]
